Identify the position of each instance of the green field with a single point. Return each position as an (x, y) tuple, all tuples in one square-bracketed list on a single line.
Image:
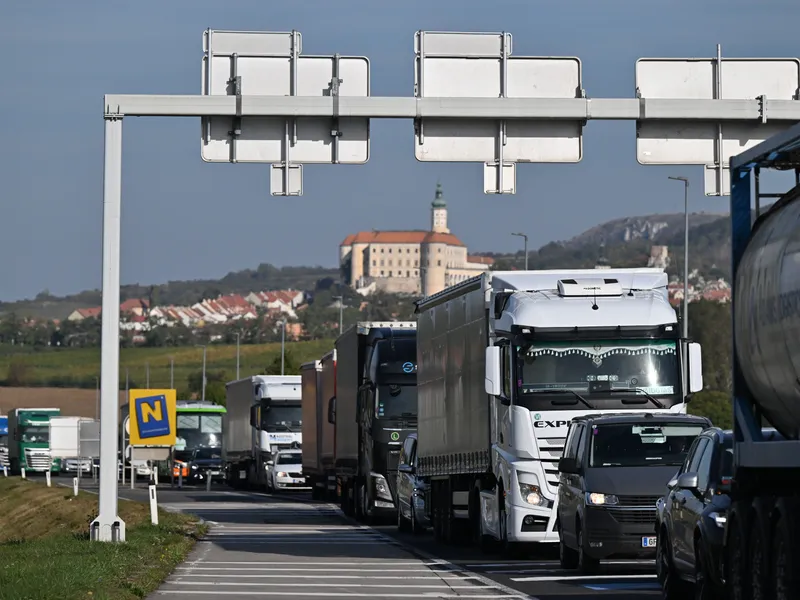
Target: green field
[(80, 367)]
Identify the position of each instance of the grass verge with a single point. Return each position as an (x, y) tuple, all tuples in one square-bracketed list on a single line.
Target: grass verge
[(78, 367), (45, 552)]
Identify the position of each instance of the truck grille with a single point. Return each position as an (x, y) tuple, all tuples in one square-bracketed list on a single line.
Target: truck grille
[(643, 501), (37, 460), (3, 457), (638, 516), (550, 450)]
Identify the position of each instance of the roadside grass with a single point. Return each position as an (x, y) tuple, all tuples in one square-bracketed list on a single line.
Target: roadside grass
[(77, 367), (45, 552)]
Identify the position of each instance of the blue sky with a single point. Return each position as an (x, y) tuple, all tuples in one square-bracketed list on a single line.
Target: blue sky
[(185, 219)]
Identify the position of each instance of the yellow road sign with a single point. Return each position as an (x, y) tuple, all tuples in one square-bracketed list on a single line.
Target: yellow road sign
[(153, 420)]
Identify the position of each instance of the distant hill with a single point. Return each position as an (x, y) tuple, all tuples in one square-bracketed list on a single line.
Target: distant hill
[(626, 242), (181, 293), (623, 242)]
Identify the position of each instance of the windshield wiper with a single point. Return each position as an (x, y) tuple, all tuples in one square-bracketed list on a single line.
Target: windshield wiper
[(289, 429), (564, 391), (652, 399)]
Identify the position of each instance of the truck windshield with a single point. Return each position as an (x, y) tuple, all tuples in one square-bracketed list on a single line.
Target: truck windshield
[(641, 444), (34, 434), (207, 454), (396, 401), (282, 418), (599, 369)]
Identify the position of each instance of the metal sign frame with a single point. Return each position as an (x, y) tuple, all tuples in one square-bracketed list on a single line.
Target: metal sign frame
[(752, 111)]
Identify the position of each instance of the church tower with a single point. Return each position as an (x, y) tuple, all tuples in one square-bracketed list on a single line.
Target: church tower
[(439, 212)]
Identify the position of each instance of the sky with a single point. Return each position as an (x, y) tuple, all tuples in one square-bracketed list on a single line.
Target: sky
[(186, 219)]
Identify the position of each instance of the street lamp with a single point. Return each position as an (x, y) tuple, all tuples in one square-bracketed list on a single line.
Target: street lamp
[(203, 385), (341, 311), (283, 344), (238, 335), (685, 254), (524, 237)]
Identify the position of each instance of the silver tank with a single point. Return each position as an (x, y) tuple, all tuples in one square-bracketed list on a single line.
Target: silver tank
[(767, 325)]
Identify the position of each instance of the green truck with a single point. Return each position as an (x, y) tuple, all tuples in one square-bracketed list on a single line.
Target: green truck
[(29, 440)]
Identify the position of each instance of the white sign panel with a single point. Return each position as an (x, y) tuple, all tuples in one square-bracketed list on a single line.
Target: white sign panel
[(480, 65), (89, 439), (268, 64), (695, 143)]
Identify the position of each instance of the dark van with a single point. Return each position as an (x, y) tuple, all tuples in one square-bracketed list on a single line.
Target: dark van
[(613, 471)]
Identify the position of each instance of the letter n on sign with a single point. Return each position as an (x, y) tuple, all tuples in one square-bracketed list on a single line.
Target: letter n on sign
[(152, 416)]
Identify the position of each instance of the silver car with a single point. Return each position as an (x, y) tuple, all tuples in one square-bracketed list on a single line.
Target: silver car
[(410, 490)]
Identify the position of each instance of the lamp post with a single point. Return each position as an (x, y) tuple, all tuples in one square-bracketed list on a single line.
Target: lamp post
[(685, 254), (524, 237), (203, 384), (341, 311), (172, 372), (97, 390), (283, 344), (238, 335)]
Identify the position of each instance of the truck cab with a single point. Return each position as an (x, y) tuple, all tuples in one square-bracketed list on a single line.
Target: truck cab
[(29, 440)]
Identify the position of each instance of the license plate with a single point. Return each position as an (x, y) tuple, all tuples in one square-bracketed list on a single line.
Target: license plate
[(215, 472), (297, 481), (242, 474), (649, 542)]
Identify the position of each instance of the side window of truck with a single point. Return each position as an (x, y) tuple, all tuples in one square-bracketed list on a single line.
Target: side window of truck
[(571, 444), (405, 453), (507, 371)]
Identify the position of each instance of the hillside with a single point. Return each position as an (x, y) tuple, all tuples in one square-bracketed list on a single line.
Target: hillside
[(181, 293), (626, 241)]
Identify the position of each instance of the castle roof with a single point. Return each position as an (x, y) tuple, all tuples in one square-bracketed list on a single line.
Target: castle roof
[(401, 237)]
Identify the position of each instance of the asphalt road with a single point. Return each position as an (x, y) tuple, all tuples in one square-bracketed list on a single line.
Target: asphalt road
[(286, 546)]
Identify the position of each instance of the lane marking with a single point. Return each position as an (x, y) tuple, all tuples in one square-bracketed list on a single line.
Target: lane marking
[(580, 577)]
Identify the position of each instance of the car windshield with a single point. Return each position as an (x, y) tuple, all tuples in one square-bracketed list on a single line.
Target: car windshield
[(289, 459), (208, 454), (597, 369), (641, 444), (182, 455), (33, 434), (396, 401)]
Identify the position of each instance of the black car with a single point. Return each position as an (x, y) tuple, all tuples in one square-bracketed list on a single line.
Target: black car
[(612, 473), (691, 519)]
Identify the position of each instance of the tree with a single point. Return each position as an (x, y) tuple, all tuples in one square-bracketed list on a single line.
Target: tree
[(290, 365), (195, 381), (716, 405)]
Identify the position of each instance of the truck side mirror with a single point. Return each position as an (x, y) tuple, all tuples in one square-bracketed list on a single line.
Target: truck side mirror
[(695, 368), (332, 410), (493, 381)]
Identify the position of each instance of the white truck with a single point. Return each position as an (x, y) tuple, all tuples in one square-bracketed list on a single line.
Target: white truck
[(507, 359), (65, 443), (264, 416)]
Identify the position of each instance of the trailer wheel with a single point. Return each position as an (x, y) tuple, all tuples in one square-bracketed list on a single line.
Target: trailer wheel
[(759, 552), (786, 552), (736, 555)]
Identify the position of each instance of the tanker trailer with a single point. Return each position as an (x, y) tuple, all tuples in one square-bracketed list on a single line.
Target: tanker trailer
[(761, 547)]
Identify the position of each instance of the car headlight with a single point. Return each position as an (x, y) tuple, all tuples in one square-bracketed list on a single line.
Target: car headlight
[(719, 519), (601, 499), (194, 467), (282, 474), (532, 494), (382, 488)]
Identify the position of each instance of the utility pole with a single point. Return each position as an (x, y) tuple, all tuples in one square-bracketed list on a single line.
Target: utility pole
[(172, 372), (97, 389), (238, 335), (685, 254), (147, 375), (127, 381), (524, 237)]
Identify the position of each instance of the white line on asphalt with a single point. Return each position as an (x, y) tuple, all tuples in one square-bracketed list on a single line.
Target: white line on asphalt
[(581, 577), (441, 586), (432, 577), (252, 563), (373, 542), (284, 569), (342, 594)]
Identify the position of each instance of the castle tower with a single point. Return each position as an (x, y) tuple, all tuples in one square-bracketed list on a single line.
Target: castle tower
[(439, 212)]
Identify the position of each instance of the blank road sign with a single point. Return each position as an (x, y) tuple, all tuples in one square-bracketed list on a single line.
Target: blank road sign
[(692, 142), (457, 65), (89, 441), (268, 65)]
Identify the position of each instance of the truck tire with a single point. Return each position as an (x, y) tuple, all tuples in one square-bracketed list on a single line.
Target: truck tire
[(736, 566), (760, 548), (785, 551)]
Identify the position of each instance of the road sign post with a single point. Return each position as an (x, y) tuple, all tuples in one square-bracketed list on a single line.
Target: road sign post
[(262, 101)]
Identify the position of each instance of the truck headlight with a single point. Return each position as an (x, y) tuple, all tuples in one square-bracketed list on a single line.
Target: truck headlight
[(532, 494), (601, 499)]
